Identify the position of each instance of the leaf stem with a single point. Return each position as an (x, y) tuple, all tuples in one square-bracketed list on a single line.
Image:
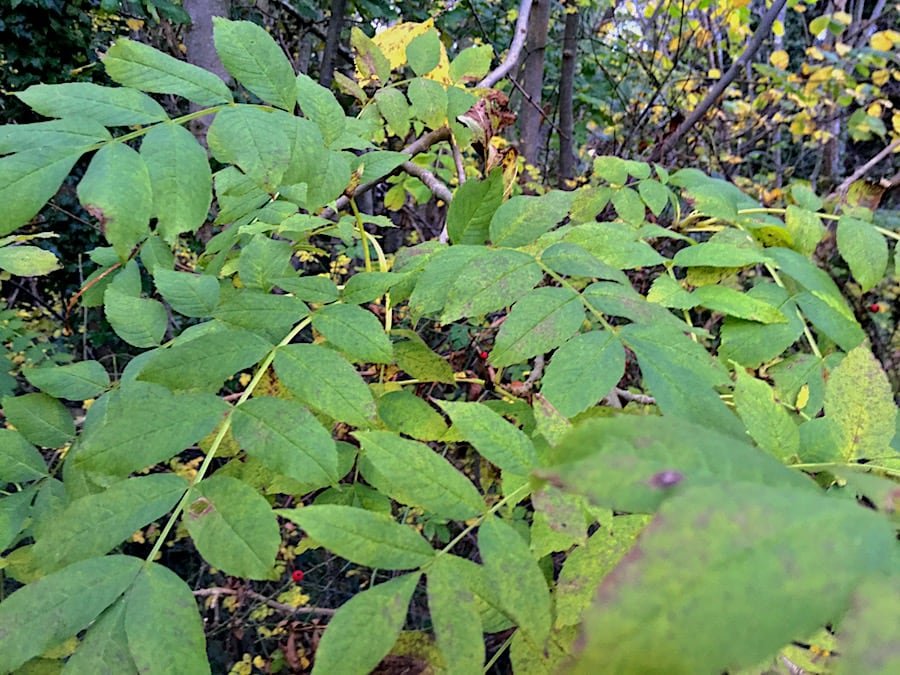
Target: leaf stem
[(499, 652), (362, 234)]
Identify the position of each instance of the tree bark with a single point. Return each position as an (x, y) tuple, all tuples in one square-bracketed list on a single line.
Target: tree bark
[(530, 113), (332, 42), (200, 48), (566, 98)]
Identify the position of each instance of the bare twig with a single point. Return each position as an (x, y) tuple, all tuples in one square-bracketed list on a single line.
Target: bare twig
[(434, 183), (515, 48), (537, 370), (841, 189), (274, 604)]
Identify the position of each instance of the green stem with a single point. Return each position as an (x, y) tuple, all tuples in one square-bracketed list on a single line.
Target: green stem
[(499, 652), (565, 284), (178, 120), (362, 234), (867, 468), (888, 233), (220, 436), (807, 333)]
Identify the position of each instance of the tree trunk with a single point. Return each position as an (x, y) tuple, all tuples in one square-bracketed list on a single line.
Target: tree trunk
[(200, 49), (531, 114), (566, 98), (332, 41)]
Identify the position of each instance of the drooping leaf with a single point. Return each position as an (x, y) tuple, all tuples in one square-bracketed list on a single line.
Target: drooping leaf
[(233, 527), (442, 268), (523, 219), (141, 322), (863, 249), (134, 64), (28, 180), (255, 60), (575, 261), (751, 343), (110, 106), (180, 178), (423, 53), (628, 205), (858, 398), (715, 254), (767, 422), (362, 536), (496, 440), (365, 287), (454, 614), (655, 195), (27, 261), (394, 107), (194, 295), (365, 628), (56, 607), (416, 358), (14, 510), (752, 539), (540, 321), (805, 229), (354, 331), (429, 102), (404, 412), (20, 461), (319, 105), (497, 279), (287, 438), (413, 474), (472, 209), (41, 419), (741, 305), (325, 381)]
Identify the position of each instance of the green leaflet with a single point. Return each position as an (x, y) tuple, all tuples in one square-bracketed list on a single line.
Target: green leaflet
[(393, 106), (94, 524), (560, 521), (56, 607), (719, 254), (829, 315), (444, 267), (574, 261), (233, 527), (429, 102), (494, 280), (752, 538), (365, 628), (140, 322), (76, 381), (127, 435), (516, 580), (454, 614), (116, 190), (767, 422), (805, 228), (751, 343), (496, 440), (255, 60), (203, 364), (110, 106), (424, 52), (404, 412), (180, 178), (472, 209), (616, 170), (858, 398), (633, 464), (310, 289), (741, 305), (136, 65), (414, 474), (27, 261), (655, 195), (271, 316), (867, 635), (163, 626), (320, 106), (20, 461), (354, 331), (325, 381), (416, 358), (471, 63), (615, 244), (67, 133), (863, 249), (194, 295), (540, 321), (628, 205), (287, 438), (28, 180), (521, 220), (14, 510), (41, 419), (252, 139), (361, 536), (365, 287), (104, 647)]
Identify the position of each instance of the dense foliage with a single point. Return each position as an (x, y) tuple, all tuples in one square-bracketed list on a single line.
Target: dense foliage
[(633, 426)]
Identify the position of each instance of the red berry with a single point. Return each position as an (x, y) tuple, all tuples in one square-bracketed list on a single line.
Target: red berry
[(874, 307), (482, 355), (297, 576)]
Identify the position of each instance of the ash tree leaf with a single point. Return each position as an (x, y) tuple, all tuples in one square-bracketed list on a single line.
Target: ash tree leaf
[(56, 134), (497, 279), (204, 363), (423, 53), (251, 139), (416, 475), (127, 435), (521, 220), (163, 625), (455, 617), (320, 106), (417, 359), (367, 286), (54, 608), (429, 102), (767, 422), (474, 204), (194, 295), (104, 648), (116, 190), (263, 262), (441, 270), (863, 249), (628, 205), (540, 321), (633, 464), (27, 261), (94, 524), (233, 527), (858, 398), (141, 322), (327, 180), (655, 195), (471, 63), (364, 629), (287, 438), (271, 316), (615, 244), (404, 412), (734, 303), (76, 381), (180, 178), (310, 289), (139, 66), (361, 536), (574, 261), (719, 254), (680, 375), (751, 343), (14, 511), (110, 106), (394, 107), (516, 580), (20, 461), (805, 228), (867, 636), (255, 60), (496, 440), (752, 539), (28, 180), (325, 381), (375, 165), (41, 419), (355, 331)]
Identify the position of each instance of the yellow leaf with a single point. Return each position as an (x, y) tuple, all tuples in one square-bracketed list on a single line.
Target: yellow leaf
[(842, 17), (134, 24), (714, 73), (895, 122), (393, 41), (882, 41), (842, 48), (779, 59), (879, 77), (874, 110), (802, 397), (441, 72), (778, 28), (815, 53)]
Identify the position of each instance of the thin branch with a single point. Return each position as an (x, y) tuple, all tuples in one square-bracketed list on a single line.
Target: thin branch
[(434, 183), (515, 48), (841, 189), (274, 604)]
